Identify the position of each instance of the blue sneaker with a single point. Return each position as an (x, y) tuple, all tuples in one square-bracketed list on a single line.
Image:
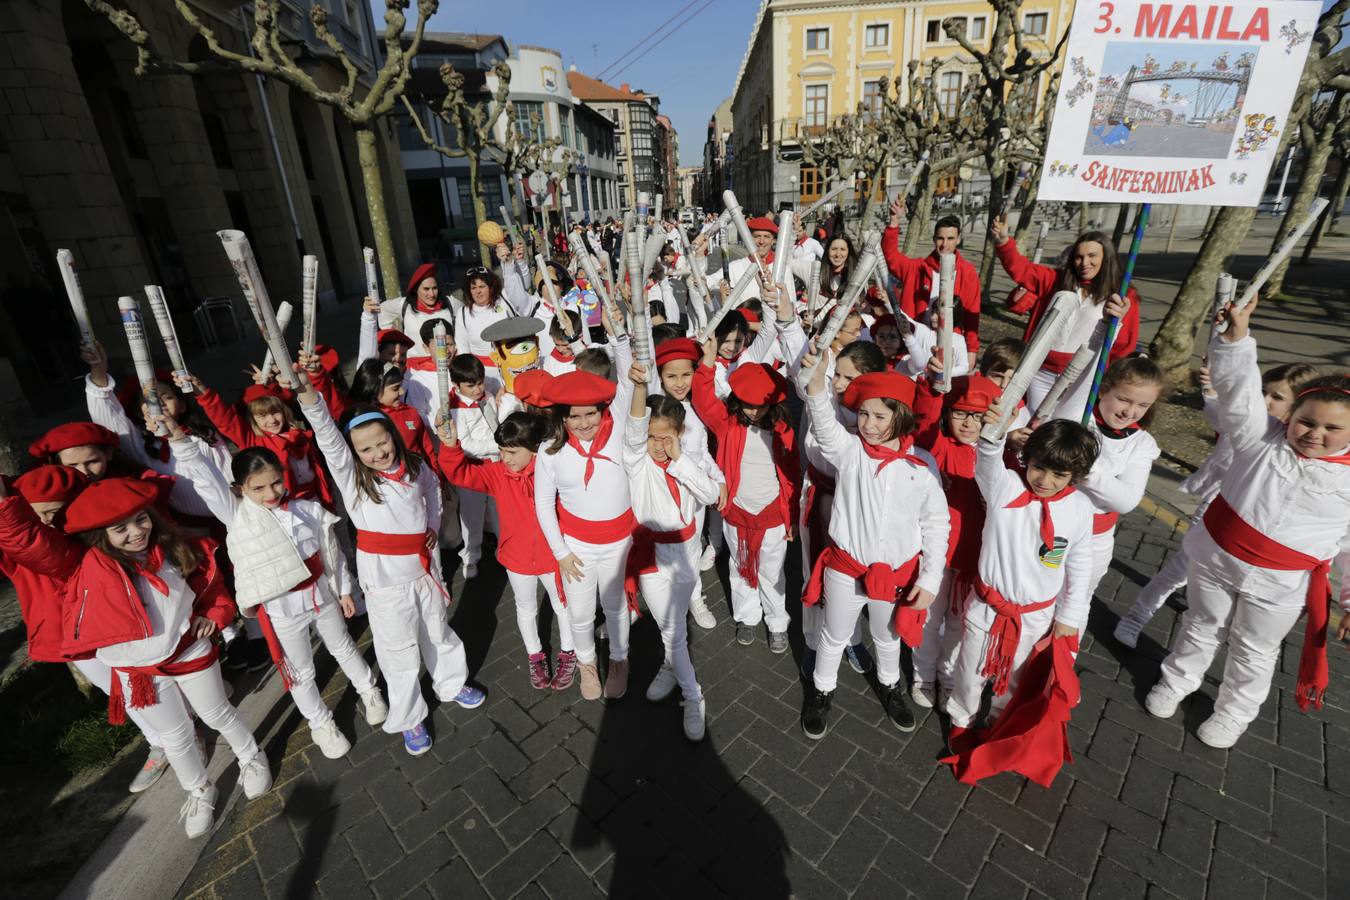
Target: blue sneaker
[(859, 660), (470, 697), (808, 663), (416, 740)]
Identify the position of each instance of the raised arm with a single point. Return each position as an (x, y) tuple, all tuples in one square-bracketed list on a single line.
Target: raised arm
[(226, 418), (998, 485), (209, 482), (546, 507), (1033, 276), (367, 343), (703, 396), (106, 410), (1122, 491), (623, 395), (26, 541), (329, 440)]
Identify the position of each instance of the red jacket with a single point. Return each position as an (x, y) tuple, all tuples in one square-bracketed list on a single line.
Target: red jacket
[(521, 547), (1040, 281), (37, 559), (956, 462), (230, 422), (916, 277), (101, 608), (407, 420)]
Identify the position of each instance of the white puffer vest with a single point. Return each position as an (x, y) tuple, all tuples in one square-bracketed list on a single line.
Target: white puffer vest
[(266, 561)]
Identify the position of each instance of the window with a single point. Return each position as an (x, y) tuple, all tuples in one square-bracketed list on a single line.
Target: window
[(817, 39), (949, 93), (877, 36), (565, 127), (864, 186), (811, 184), (530, 119), (1035, 23), (933, 31), (872, 98), (977, 26), (817, 105)]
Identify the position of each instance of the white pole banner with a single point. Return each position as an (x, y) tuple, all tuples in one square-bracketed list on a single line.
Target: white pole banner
[(1175, 103)]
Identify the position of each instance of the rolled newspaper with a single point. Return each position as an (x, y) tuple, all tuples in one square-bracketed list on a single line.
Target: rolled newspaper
[(733, 300), (742, 229), (639, 328), (241, 257), (551, 294), (699, 294), (829, 195), (660, 202), (1078, 364), (372, 278), (1225, 288), (651, 252), (597, 284), (440, 352), (1040, 241), (813, 288), (722, 222), (517, 240), (880, 274), (284, 313), (1281, 253), (488, 408), (134, 326), (159, 308), (947, 303), (1060, 315), (782, 250), (65, 260), (309, 283), (914, 175), (857, 281)]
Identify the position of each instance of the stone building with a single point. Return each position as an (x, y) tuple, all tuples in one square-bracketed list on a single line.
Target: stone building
[(136, 174), (644, 142)]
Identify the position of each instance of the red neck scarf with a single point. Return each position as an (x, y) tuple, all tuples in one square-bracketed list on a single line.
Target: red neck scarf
[(888, 456), (1114, 433), (420, 363), (597, 444), (398, 475), (525, 476), (560, 357), (458, 402), (724, 362), (670, 481), (1047, 524), (149, 568), (436, 306)]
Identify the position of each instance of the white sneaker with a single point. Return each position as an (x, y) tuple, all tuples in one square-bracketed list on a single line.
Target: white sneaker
[(374, 707), (330, 740), (601, 632), (470, 571), (1128, 628), (708, 559), (255, 776), (1219, 731), (156, 764), (923, 696), (199, 812), (694, 724), (663, 685), (703, 617), (1162, 701)]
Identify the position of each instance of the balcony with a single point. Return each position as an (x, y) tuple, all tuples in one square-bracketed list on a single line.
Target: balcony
[(794, 130)]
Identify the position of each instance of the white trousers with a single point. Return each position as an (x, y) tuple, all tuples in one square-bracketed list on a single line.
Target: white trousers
[(100, 676), (813, 616), (171, 717), (766, 603), (935, 658), (1255, 628), (964, 701), (667, 592), (1170, 578), (602, 581), (472, 507), (844, 600), (293, 635), (526, 592), (409, 626), (1073, 400)]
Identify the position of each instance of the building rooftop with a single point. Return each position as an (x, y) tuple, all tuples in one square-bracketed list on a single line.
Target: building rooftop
[(584, 87)]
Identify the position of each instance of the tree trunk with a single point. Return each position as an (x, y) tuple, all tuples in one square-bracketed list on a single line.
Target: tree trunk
[(1028, 214), (1337, 196), (1119, 231), (921, 215), (479, 207), (1211, 219), (1175, 341), (1313, 167), (368, 156)]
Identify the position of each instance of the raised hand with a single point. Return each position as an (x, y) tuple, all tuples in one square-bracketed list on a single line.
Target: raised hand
[(998, 229)]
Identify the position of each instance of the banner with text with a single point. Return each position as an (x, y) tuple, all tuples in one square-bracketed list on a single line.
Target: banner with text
[(1175, 103)]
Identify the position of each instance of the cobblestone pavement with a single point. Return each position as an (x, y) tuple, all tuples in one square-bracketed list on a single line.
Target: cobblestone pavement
[(541, 795)]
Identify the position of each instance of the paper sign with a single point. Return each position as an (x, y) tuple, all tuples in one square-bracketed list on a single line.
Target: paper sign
[(1175, 103)]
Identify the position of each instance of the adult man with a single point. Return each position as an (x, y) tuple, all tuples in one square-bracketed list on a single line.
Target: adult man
[(919, 277)]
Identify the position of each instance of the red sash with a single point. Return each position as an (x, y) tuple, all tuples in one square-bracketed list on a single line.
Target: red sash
[(1104, 522), (420, 363), (642, 556), (880, 582), (750, 531), (384, 544), (608, 531), (1004, 634), (315, 565), (142, 678), (1243, 541)]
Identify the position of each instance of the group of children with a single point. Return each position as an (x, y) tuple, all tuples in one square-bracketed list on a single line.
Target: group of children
[(141, 537)]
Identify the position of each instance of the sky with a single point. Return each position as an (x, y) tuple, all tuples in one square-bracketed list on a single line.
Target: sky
[(692, 69)]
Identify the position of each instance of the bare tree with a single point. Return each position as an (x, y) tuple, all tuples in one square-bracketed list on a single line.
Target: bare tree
[(269, 59), (1174, 343), (852, 147), (1331, 217)]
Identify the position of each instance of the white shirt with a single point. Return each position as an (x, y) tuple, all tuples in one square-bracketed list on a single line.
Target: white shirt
[(759, 476), (1120, 473), (169, 614), (653, 505), (1085, 320), (921, 343)]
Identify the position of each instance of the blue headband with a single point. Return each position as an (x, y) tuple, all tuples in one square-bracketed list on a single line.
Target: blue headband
[(365, 417)]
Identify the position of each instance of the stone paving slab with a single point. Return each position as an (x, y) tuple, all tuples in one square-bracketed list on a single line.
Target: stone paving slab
[(544, 795)]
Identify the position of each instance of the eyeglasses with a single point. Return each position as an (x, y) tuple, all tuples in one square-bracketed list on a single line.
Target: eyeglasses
[(961, 415), (475, 270)]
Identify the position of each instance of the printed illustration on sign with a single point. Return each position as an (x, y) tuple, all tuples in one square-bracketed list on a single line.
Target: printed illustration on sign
[(1166, 100)]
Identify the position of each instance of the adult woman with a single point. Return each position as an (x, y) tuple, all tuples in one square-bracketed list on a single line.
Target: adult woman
[(421, 300), (1093, 271), (483, 306)]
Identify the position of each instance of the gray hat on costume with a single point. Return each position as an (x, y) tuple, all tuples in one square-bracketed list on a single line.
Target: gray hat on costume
[(513, 328)]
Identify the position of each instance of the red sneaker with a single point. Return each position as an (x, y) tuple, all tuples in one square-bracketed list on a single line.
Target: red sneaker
[(539, 671), (565, 670)]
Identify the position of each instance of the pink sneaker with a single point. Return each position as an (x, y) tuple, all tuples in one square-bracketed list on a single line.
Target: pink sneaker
[(539, 671), (565, 670)]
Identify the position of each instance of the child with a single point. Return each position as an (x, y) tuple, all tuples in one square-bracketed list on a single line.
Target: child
[(1279, 386), (595, 361), (949, 428), (1262, 554), (468, 396), (560, 359), (148, 604), (522, 550), (1035, 561), (921, 344), (289, 572), (888, 529), (886, 333), (394, 502), (582, 501), (382, 385), (667, 487), (420, 386)]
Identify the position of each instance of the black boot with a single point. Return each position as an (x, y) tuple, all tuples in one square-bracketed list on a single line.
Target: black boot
[(815, 713), (896, 707)]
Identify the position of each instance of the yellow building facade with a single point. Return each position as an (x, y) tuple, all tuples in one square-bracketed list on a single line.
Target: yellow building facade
[(809, 62)]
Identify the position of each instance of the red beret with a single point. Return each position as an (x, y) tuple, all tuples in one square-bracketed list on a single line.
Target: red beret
[(879, 384), (972, 393), (393, 334), (271, 389), (72, 434), (758, 385), (751, 317), (108, 502), (129, 391), (328, 357), (762, 223), (678, 348), (50, 484), (420, 274), (579, 389), (529, 387), (885, 320)]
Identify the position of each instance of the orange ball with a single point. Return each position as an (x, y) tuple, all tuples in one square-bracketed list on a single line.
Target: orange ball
[(490, 233)]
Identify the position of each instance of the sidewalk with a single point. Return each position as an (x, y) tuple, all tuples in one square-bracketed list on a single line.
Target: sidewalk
[(544, 795)]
